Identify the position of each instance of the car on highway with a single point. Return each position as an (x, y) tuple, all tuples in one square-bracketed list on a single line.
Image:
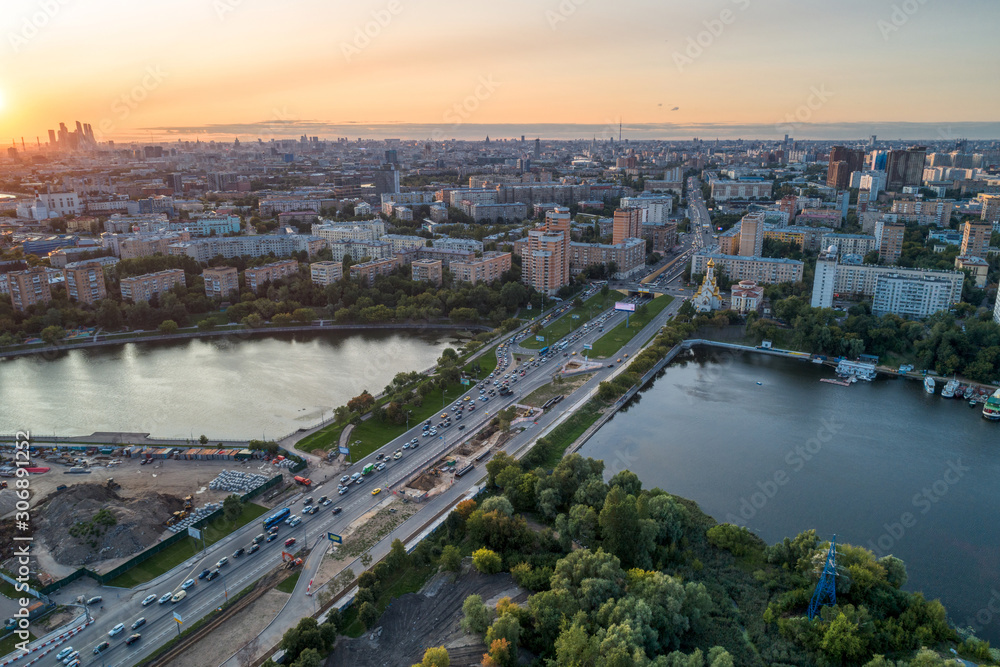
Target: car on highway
[(187, 584), (117, 630), (212, 575), (381, 466), (222, 561), (65, 652), (149, 599), (254, 548), (329, 501), (100, 648), (344, 479), (165, 598), (133, 639), (341, 491), (139, 622), (307, 501), (258, 539), (178, 596), (239, 552), (71, 658), (398, 455), (461, 427), (272, 537), (337, 510), (289, 542), (203, 573), (376, 491)]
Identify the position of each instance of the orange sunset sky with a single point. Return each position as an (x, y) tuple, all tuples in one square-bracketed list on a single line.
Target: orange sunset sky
[(575, 61)]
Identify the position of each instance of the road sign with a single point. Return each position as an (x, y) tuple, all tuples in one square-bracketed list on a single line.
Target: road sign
[(335, 538), (177, 617), (540, 339), (588, 346), (194, 532), (643, 290), (344, 450)]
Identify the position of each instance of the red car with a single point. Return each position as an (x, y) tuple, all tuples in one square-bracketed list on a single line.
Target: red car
[(289, 542)]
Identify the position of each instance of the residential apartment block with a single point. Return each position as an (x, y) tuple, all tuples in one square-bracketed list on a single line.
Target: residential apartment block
[(850, 244), (142, 288), (221, 281), (911, 296), (29, 287), (258, 276), (367, 272), (546, 254), (428, 270), (483, 269), (326, 273), (85, 282), (976, 238), (764, 270)]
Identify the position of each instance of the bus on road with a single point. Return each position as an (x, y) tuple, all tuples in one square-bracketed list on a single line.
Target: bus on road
[(276, 518), (542, 352)]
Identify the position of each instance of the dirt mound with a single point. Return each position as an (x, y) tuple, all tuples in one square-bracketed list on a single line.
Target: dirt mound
[(87, 523)]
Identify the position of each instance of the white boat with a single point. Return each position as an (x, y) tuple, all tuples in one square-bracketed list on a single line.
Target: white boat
[(929, 385), (949, 389)]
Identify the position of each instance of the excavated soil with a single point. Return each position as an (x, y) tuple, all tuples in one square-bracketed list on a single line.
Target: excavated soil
[(139, 522)]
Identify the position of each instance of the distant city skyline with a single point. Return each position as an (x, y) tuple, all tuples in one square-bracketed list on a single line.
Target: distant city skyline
[(673, 69)]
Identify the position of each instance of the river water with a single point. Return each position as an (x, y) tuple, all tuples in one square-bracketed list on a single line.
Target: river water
[(759, 441), (221, 387)]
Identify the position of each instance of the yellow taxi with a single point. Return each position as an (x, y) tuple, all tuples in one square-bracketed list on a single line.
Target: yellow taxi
[(376, 491)]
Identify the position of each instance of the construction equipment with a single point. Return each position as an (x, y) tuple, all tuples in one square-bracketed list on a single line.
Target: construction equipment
[(188, 502), (112, 485), (291, 561)]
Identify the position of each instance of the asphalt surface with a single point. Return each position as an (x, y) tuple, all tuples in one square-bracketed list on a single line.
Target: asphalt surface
[(125, 606)]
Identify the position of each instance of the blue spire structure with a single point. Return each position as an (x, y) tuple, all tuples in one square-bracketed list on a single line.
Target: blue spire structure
[(826, 589)]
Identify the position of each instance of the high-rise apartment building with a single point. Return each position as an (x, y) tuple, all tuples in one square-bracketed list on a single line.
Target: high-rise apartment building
[(545, 260), (976, 238), (427, 270), (752, 235), (890, 241), (905, 168), (28, 288), (991, 207), (85, 282), (843, 162), (627, 224)]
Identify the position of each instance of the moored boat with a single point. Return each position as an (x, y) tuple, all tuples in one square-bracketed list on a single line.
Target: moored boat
[(991, 410), (929, 385), (949, 388)]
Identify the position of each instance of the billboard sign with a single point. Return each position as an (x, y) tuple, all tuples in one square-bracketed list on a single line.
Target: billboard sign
[(177, 617), (345, 451), (625, 307), (588, 346), (335, 538), (643, 290), (194, 532), (540, 339)]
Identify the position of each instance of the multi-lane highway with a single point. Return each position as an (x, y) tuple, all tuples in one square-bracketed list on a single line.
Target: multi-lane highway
[(125, 606)]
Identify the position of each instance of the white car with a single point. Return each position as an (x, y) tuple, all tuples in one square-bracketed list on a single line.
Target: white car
[(117, 630), (149, 599), (63, 653), (222, 561), (187, 584)]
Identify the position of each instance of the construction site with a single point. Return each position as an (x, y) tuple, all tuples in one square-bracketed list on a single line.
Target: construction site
[(98, 508)]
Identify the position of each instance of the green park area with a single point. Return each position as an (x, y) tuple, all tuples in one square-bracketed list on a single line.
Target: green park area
[(567, 323), (611, 342), (179, 551)]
